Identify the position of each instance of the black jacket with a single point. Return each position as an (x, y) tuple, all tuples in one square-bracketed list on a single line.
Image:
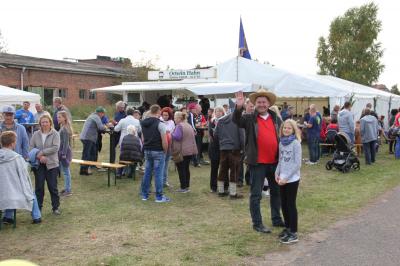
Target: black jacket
[(131, 149), (249, 123), (228, 134), (213, 144)]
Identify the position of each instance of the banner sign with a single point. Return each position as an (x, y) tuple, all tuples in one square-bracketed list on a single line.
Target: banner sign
[(181, 74)]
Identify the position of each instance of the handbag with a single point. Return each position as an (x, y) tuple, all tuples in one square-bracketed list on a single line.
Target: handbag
[(177, 155)]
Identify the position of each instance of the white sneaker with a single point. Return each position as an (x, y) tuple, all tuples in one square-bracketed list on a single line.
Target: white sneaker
[(310, 163)]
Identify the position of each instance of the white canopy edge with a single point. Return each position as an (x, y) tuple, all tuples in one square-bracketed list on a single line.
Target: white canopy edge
[(10, 96)]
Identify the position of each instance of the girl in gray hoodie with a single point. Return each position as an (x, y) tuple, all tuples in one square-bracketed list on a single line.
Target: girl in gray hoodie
[(287, 175)]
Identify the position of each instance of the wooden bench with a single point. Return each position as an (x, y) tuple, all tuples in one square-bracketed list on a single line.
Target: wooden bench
[(15, 219), (109, 166), (132, 166)]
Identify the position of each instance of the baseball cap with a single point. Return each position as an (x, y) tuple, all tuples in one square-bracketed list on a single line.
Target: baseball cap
[(8, 109), (100, 109)]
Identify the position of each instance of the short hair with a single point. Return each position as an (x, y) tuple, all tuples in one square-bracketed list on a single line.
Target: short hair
[(48, 117), (169, 111), (7, 138), (367, 111), (131, 129), (26, 102), (120, 104), (130, 111), (154, 109), (347, 105), (57, 99), (181, 115), (137, 112), (334, 120), (220, 109)]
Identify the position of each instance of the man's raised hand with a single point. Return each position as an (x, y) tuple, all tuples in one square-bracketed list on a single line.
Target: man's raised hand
[(239, 99)]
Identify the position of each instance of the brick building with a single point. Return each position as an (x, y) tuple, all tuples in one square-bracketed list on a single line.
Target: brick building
[(71, 80)]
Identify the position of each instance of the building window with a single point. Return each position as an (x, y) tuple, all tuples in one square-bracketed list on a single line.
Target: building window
[(92, 95), (62, 93), (133, 97), (82, 94)]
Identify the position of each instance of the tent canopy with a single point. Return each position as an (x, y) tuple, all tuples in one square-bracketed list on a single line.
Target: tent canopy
[(10, 96), (240, 73), (197, 87)]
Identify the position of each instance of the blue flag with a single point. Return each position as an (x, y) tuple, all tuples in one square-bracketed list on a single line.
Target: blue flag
[(243, 48)]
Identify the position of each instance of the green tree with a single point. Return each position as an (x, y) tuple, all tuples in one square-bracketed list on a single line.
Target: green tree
[(395, 90), (352, 51)]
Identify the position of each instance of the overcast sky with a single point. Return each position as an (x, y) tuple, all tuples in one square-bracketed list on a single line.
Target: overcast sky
[(182, 34)]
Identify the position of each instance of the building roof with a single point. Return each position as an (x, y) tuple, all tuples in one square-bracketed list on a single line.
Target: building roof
[(20, 61)]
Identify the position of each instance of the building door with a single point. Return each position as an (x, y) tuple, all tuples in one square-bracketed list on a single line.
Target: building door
[(48, 98)]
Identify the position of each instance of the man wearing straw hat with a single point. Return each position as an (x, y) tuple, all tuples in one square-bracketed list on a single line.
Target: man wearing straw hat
[(261, 153)]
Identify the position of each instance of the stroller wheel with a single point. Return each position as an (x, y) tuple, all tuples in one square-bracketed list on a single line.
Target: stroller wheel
[(356, 166), (328, 165)]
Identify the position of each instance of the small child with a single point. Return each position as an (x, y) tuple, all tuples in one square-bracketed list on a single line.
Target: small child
[(287, 175)]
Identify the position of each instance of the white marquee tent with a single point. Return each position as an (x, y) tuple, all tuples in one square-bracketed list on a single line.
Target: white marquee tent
[(291, 85), (10, 96), (242, 74)]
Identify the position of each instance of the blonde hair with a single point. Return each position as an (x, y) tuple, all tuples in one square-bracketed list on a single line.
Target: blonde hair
[(67, 124), (293, 124), (48, 117), (182, 116), (219, 108)]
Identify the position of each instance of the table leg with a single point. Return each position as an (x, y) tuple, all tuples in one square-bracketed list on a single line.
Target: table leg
[(108, 174)]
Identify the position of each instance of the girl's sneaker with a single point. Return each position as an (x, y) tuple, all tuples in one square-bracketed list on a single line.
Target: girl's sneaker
[(290, 238)]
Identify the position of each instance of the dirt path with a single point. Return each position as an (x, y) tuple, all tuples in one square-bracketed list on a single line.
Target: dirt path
[(370, 238)]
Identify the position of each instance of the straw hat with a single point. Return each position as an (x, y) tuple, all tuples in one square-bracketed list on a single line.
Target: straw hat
[(261, 92)]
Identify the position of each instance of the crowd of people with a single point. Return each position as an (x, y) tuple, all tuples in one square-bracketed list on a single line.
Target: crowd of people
[(252, 142)]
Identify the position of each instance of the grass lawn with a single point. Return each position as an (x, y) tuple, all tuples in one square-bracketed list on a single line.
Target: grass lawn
[(112, 226)]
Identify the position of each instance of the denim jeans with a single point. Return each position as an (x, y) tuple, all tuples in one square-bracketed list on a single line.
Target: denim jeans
[(166, 163), (369, 151), (397, 148), (313, 149), (257, 175), (154, 162), (35, 210), (67, 177)]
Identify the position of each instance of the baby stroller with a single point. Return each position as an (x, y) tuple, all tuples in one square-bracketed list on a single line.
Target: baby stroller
[(344, 157)]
